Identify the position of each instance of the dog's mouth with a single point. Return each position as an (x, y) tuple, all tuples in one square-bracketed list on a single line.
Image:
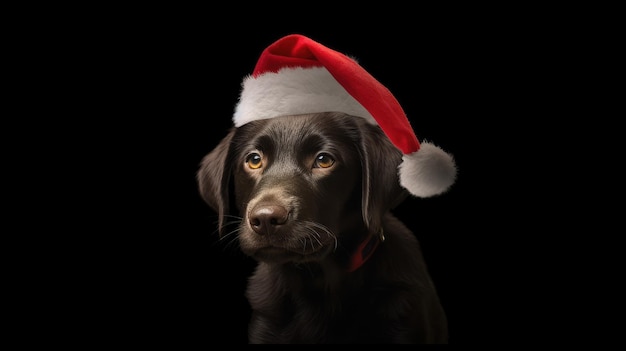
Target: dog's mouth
[(304, 242)]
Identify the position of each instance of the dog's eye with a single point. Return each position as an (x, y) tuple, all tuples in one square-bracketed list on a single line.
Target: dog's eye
[(254, 160), (323, 160)]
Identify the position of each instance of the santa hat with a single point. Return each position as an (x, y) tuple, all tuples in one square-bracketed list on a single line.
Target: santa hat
[(296, 75)]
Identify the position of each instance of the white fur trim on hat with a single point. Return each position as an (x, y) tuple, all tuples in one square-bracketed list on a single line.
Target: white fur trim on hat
[(427, 172), (294, 91)]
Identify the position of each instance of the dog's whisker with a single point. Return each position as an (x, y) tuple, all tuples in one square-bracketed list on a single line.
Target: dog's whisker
[(303, 240), (236, 220), (228, 244), (219, 232), (317, 225), (313, 243), (317, 239), (229, 223), (216, 221), (325, 229), (315, 236), (233, 216), (228, 240), (232, 233), (310, 235)]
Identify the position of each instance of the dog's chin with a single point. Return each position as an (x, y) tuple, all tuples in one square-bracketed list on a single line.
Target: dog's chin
[(279, 255)]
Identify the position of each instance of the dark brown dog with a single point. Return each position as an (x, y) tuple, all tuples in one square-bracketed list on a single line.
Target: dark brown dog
[(313, 194)]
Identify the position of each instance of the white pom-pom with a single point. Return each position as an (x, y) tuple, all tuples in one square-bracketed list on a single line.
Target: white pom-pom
[(427, 172)]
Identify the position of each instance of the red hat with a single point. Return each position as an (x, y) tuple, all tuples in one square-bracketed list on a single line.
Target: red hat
[(296, 75)]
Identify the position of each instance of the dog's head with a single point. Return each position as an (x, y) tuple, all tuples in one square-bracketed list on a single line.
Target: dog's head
[(303, 186)]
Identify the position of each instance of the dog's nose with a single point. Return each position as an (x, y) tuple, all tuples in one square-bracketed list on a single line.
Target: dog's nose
[(264, 219)]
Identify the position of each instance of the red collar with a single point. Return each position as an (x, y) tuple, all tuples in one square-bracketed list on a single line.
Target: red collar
[(364, 251)]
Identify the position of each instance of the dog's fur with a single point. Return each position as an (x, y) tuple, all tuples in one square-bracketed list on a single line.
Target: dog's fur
[(303, 222)]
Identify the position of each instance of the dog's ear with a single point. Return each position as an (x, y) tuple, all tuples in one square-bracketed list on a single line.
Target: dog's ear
[(381, 186), (214, 177)]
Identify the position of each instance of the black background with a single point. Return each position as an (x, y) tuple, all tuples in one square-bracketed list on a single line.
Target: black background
[(157, 92)]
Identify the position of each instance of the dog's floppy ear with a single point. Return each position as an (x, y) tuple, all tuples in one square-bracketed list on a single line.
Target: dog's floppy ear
[(381, 187), (214, 177)]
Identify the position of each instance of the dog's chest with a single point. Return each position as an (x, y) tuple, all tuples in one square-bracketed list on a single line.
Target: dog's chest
[(309, 312)]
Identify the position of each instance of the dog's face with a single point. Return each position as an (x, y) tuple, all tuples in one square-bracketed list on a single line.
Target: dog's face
[(303, 186)]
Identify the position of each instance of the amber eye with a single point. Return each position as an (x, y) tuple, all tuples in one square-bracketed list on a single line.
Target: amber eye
[(323, 160), (254, 160)]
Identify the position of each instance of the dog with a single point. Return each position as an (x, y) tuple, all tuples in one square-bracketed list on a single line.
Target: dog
[(313, 195)]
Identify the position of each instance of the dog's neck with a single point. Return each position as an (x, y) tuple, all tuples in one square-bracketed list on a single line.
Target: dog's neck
[(365, 250)]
